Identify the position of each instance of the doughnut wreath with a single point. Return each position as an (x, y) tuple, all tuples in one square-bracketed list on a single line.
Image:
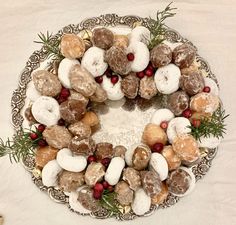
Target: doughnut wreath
[(91, 64)]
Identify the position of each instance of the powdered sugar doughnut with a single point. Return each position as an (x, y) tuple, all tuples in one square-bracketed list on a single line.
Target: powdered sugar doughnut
[(32, 93), (64, 69), (212, 84), (162, 115), (93, 61), (141, 56), (113, 91), (209, 142), (167, 79), (177, 126), (140, 33), (46, 110)]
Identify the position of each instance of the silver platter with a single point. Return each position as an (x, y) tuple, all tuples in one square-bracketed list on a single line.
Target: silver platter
[(129, 134)]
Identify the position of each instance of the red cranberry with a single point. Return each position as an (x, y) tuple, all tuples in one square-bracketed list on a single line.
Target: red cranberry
[(187, 113), (130, 56), (164, 125), (110, 188), (114, 79), (41, 128), (92, 158), (157, 147), (99, 79), (61, 122), (140, 74), (42, 143), (106, 162), (98, 187), (108, 72), (148, 72), (206, 89), (33, 136), (196, 123), (97, 194), (105, 184), (65, 93), (150, 66)]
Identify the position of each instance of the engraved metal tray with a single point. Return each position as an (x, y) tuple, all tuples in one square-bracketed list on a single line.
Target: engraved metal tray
[(120, 124)]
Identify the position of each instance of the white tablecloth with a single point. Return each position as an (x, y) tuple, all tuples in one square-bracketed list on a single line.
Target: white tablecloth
[(211, 25)]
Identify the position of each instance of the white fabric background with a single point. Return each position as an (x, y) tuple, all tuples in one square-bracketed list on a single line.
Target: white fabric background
[(211, 25)]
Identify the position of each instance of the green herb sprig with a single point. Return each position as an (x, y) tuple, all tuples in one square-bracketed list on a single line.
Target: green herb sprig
[(51, 44), (20, 146), (157, 26), (108, 202), (214, 125)]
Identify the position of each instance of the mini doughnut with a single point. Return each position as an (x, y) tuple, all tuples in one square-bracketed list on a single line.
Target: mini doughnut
[(209, 142), (147, 88), (93, 61), (167, 79), (114, 170), (212, 84), (46, 110), (102, 38), (140, 33), (159, 164), (50, 173), (141, 203), (69, 162), (161, 115), (64, 71), (177, 126), (141, 56), (113, 91)]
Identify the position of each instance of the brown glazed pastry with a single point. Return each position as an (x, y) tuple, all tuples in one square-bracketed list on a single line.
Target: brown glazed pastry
[(102, 38), (82, 81), (192, 83), (91, 119), (72, 110), (141, 157), (119, 151), (57, 136), (86, 199), (147, 88), (130, 85), (151, 183), (132, 177), (153, 134), (44, 155), (77, 96), (70, 181), (72, 46), (160, 55), (94, 173), (204, 103), (99, 95), (46, 83), (161, 196), (178, 181), (116, 57), (82, 147), (178, 102), (104, 150), (121, 41), (171, 157), (80, 129), (186, 147), (124, 195), (184, 55)]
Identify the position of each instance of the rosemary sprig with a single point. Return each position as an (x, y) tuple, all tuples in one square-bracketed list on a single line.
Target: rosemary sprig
[(157, 27), (214, 125), (108, 202), (51, 44), (20, 146)]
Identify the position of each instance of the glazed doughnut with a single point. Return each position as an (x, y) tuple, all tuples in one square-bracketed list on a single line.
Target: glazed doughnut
[(177, 126), (212, 84), (113, 91), (140, 33), (64, 69), (114, 170), (167, 79), (50, 172), (46, 110), (93, 61), (161, 115), (69, 162), (141, 56)]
